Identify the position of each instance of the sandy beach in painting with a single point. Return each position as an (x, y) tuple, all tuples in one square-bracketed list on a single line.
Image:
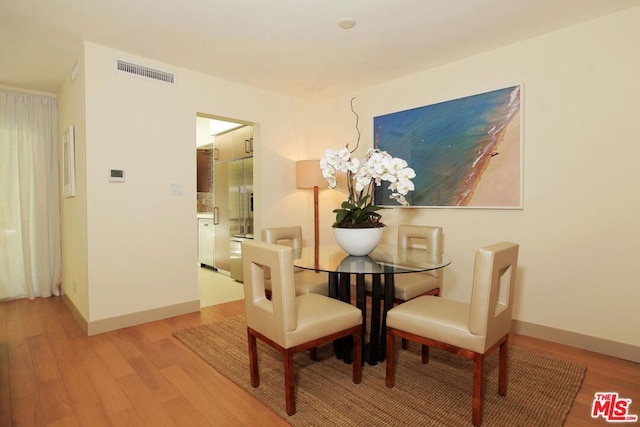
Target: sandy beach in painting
[(499, 183)]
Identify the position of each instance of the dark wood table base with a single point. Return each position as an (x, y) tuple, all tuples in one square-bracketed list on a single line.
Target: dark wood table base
[(381, 302)]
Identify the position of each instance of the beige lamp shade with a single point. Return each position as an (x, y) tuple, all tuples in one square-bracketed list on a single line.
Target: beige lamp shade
[(309, 175)]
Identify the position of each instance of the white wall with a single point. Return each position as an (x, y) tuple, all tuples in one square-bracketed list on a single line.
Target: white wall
[(579, 230)]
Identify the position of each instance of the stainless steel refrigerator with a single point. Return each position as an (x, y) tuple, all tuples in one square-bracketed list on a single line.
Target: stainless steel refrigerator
[(232, 213), (240, 174), (240, 211)]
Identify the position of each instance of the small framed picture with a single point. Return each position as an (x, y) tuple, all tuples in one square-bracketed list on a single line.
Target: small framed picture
[(69, 163)]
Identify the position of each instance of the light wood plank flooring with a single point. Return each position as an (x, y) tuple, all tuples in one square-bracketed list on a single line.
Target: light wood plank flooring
[(51, 374)]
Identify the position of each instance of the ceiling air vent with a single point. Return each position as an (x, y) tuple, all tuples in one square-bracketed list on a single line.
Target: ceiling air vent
[(150, 73)]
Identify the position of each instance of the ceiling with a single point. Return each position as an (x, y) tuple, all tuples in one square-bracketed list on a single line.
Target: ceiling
[(294, 47)]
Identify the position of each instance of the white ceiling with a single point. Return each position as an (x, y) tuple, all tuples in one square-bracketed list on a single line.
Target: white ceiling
[(288, 46)]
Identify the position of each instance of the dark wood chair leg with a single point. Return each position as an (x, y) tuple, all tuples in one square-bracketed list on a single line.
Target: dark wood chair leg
[(253, 359), (405, 343), (357, 355), (503, 362), (391, 344), (435, 292), (313, 353), (478, 362), (289, 382), (425, 354)]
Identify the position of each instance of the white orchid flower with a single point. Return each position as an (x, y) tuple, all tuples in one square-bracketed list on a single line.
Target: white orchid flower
[(378, 166)]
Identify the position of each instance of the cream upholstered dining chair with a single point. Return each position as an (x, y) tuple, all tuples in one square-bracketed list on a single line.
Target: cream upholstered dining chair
[(307, 281), (407, 286), (410, 285), (287, 322), (470, 330)]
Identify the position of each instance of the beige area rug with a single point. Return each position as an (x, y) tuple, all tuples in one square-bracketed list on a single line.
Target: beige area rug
[(540, 392)]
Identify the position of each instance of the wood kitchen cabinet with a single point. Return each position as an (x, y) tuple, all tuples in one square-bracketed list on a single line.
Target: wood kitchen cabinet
[(223, 147), (232, 193), (243, 142), (221, 217), (233, 145)]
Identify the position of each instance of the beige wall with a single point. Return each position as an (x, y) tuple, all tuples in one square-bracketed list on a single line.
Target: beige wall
[(71, 108), (579, 232), (140, 255)]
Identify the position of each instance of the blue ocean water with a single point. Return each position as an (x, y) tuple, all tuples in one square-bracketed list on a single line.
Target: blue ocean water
[(445, 144)]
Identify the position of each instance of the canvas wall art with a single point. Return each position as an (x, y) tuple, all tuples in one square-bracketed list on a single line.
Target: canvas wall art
[(466, 152)]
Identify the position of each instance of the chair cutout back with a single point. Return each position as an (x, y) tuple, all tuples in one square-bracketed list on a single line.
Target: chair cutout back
[(275, 317), (289, 236), (286, 236), (425, 236), (492, 292)]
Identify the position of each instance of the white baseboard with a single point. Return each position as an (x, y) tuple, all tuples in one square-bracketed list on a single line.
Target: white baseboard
[(574, 339), (131, 319)]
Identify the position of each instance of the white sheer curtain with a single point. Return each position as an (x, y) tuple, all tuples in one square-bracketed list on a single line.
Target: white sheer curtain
[(29, 196)]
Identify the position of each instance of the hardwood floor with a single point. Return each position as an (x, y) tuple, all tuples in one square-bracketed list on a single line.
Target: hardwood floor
[(51, 374)]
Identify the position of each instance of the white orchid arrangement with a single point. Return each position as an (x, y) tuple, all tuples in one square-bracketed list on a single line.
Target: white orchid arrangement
[(359, 211)]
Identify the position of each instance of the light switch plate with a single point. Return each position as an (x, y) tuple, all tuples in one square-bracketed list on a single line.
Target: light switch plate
[(176, 189)]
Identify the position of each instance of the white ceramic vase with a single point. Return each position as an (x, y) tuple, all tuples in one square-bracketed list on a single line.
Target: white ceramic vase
[(358, 241)]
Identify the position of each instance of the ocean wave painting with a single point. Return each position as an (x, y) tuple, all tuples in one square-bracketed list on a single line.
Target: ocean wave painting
[(466, 152)]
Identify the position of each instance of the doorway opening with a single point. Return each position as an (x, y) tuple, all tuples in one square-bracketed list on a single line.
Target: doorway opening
[(225, 202)]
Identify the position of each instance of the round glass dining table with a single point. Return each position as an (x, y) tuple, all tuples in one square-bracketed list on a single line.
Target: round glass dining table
[(382, 264)]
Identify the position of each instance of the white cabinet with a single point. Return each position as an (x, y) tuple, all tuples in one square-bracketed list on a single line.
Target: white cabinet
[(205, 241)]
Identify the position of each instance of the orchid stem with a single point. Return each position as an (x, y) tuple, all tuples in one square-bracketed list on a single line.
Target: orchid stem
[(357, 129)]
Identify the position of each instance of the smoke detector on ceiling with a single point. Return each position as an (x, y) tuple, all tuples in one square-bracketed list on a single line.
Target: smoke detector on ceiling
[(346, 23)]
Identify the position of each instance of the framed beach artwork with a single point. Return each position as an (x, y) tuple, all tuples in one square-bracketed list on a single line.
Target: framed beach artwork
[(69, 163), (467, 152)]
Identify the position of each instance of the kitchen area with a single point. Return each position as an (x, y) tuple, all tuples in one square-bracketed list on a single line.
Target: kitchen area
[(225, 200)]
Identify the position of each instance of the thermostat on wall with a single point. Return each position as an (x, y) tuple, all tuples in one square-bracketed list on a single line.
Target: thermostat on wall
[(116, 175)]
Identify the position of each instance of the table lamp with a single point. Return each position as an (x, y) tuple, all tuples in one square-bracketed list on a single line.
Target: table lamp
[(309, 175)]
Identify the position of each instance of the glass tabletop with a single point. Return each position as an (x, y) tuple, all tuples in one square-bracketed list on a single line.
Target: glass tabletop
[(384, 259)]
